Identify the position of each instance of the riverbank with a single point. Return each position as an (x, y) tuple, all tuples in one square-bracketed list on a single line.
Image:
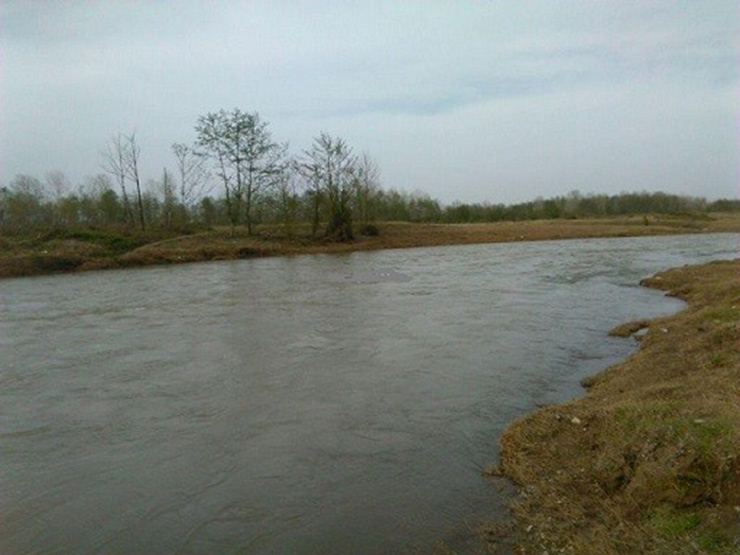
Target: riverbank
[(648, 461), (73, 251)]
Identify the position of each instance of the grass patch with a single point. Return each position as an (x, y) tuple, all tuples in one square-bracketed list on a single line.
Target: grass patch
[(715, 542), (654, 464), (672, 523), (112, 241), (636, 418), (727, 313)]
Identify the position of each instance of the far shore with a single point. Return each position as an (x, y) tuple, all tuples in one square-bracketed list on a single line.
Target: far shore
[(82, 250)]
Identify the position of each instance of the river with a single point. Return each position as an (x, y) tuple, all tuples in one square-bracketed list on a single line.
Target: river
[(307, 404)]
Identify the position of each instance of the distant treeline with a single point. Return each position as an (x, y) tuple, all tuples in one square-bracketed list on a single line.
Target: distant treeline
[(30, 204), (421, 208), (234, 174)]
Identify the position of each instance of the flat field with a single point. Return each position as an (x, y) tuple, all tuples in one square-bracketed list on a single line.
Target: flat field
[(86, 249)]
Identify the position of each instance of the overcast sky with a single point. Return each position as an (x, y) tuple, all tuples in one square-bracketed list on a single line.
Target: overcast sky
[(481, 100)]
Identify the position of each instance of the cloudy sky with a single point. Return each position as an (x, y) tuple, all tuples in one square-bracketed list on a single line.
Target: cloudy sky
[(472, 100)]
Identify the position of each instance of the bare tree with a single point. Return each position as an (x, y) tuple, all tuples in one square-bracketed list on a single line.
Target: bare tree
[(192, 172), (57, 184), (329, 166), (314, 193), (114, 164), (366, 183), (168, 200), (287, 196), (131, 166)]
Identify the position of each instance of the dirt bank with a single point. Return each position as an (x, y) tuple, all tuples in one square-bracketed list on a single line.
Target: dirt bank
[(54, 252), (648, 461)]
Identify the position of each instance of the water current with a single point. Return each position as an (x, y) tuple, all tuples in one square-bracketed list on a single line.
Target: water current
[(308, 404)]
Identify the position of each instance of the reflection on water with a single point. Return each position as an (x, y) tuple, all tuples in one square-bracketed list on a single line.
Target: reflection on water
[(308, 404)]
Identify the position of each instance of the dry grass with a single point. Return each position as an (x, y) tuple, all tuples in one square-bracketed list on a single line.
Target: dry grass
[(649, 460), (105, 249)]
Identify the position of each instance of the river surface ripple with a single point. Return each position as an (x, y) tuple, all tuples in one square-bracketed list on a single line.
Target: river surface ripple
[(309, 404)]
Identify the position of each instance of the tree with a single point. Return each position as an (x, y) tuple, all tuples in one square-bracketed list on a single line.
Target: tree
[(208, 211), (423, 208), (287, 197), (23, 203), (67, 211), (58, 184), (131, 165), (114, 164), (366, 183), (314, 196), (329, 167), (98, 202), (168, 200), (121, 160), (192, 172), (4, 194), (108, 204), (246, 158)]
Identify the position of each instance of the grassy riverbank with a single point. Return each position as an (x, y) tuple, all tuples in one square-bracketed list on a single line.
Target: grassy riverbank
[(648, 461), (80, 250)]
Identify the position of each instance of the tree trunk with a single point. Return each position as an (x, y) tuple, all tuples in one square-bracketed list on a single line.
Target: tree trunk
[(141, 204)]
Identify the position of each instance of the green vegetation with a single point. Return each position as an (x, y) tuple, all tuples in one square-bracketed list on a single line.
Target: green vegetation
[(235, 173), (236, 177), (28, 205), (672, 523)]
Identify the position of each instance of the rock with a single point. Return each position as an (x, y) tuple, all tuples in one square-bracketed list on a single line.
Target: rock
[(575, 420), (492, 470)]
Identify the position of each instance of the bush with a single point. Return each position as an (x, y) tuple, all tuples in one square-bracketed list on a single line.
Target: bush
[(370, 230)]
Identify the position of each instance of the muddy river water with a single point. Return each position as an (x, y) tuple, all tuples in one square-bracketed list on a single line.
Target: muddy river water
[(308, 404)]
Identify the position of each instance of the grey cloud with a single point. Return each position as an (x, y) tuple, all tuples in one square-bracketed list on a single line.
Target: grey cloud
[(536, 96)]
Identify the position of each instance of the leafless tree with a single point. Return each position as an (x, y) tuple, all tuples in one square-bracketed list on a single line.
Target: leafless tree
[(132, 152), (192, 172), (114, 164), (57, 184), (286, 190), (169, 202), (308, 170), (366, 184)]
